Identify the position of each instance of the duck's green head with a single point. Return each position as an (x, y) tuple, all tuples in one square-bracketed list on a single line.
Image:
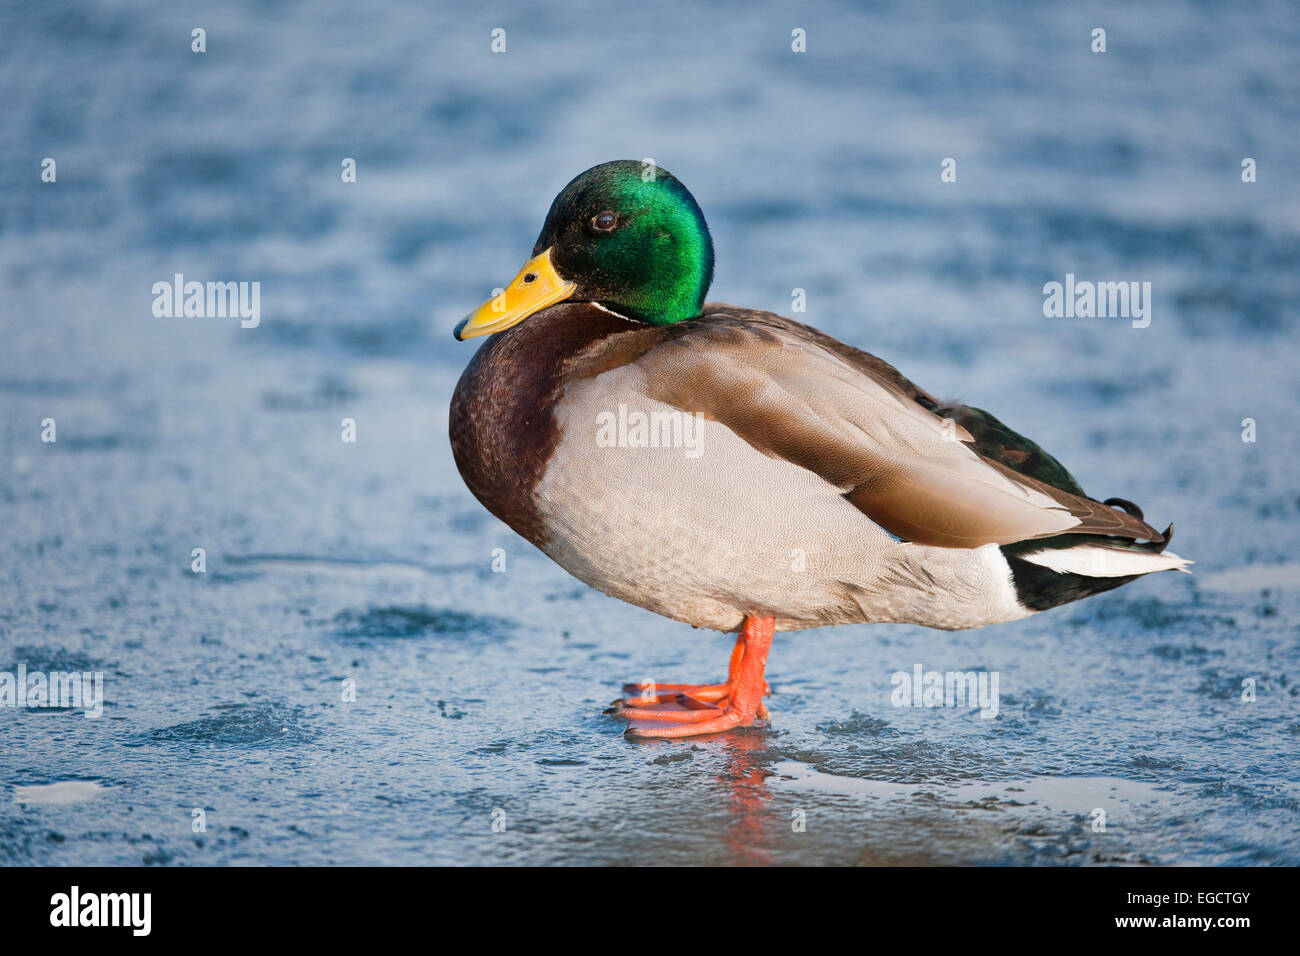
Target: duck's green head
[(626, 235)]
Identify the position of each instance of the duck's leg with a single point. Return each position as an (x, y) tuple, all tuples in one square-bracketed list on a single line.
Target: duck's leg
[(651, 692), (680, 710)]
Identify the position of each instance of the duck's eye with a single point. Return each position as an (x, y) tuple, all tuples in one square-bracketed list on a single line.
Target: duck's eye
[(604, 222)]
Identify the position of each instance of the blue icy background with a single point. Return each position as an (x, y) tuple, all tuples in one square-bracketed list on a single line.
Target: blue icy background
[(480, 692)]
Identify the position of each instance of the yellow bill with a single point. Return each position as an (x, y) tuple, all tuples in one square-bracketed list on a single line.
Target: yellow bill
[(537, 286)]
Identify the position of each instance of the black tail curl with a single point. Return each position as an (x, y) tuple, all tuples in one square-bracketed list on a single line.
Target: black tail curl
[(1127, 505)]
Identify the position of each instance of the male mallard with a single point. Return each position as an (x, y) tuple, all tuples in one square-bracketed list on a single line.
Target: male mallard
[(736, 470)]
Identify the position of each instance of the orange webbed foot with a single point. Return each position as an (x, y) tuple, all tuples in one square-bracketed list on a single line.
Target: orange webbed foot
[(689, 710)]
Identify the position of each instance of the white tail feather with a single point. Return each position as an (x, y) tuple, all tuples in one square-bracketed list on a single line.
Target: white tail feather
[(1097, 561)]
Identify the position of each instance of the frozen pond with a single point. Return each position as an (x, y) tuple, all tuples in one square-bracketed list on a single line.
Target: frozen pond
[(368, 566)]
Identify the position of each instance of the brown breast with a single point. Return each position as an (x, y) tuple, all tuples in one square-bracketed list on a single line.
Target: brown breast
[(502, 423)]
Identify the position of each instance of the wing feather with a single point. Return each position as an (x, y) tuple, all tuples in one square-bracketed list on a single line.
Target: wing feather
[(797, 394)]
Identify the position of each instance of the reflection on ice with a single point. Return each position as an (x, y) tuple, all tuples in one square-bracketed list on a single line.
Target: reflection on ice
[(58, 794), (1118, 797)]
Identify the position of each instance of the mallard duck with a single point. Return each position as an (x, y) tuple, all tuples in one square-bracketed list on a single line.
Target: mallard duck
[(736, 470)]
